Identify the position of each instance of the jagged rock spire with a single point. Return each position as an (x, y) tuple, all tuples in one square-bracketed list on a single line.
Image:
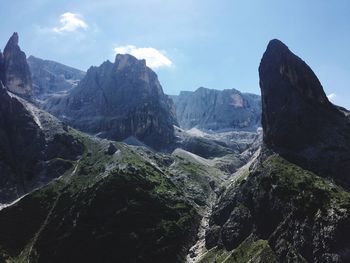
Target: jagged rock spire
[(298, 120), (17, 76)]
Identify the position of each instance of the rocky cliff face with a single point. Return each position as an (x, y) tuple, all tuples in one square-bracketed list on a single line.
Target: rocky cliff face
[(298, 120), (118, 100), (276, 209), (34, 146), (210, 109), (50, 77), (16, 75)]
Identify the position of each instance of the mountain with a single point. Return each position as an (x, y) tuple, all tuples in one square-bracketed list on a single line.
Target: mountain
[(86, 199), (118, 100), (35, 147), (15, 71), (316, 133), (283, 206), (50, 77), (210, 109)]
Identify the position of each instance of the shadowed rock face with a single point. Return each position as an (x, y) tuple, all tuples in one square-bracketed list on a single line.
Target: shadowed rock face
[(118, 100), (17, 77), (34, 146), (298, 120), (282, 197)]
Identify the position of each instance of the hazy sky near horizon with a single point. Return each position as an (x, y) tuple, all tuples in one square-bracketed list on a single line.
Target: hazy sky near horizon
[(189, 43)]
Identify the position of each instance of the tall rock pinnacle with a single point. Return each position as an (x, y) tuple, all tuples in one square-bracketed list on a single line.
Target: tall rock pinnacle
[(298, 120), (17, 75)]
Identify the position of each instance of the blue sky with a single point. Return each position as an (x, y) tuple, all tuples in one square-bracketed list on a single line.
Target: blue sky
[(190, 43)]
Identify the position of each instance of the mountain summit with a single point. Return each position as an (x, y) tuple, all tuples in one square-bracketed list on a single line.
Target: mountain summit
[(118, 100), (16, 76), (287, 204), (298, 120)]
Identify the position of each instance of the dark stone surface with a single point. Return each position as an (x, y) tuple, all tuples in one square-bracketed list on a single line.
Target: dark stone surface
[(26, 152), (17, 74), (118, 100), (31, 140), (298, 120), (304, 217)]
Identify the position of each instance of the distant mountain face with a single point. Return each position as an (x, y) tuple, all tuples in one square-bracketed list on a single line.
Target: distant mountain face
[(15, 70), (118, 100), (211, 109), (50, 77)]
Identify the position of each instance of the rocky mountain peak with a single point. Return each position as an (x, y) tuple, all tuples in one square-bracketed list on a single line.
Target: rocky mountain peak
[(294, 71), (126, 60), (2, 68), (17, 76), (119, 100), (298, 120), (13, 41), (292, 98)]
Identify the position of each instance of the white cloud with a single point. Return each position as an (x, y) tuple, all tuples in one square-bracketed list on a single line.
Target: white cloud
[(331, 96), (70, 22), (154, 58)]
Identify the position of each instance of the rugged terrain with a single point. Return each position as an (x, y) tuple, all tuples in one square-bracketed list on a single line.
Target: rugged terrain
[(71, 197), (34, 146), (228, 196), (209, 109), (118, 100), (50, 77), (285, 206), (15, 73)]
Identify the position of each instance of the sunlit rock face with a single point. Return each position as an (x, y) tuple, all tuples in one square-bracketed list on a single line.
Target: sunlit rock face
[(16, 76), (50, 77), (118, 100), (210, 109)]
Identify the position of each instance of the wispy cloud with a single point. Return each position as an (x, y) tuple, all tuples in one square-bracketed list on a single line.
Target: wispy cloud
[(70, 22), (331, 96), (154, 58)]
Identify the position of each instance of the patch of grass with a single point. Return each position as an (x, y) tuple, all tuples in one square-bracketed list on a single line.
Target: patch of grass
[(248, 251), (307, 190)]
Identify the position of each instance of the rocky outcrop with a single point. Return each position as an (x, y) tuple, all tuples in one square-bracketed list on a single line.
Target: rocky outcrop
[(118, 100), (282, 196), (210, 109), (298, 120), (50, 77), (17, 77), (35, 147)]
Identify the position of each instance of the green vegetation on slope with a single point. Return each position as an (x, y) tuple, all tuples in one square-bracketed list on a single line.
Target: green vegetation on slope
[(250, 250), (305, 217), (109, 208)]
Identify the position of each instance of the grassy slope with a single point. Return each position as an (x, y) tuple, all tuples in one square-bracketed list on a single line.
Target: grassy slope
[(283, 200), (107, 208)]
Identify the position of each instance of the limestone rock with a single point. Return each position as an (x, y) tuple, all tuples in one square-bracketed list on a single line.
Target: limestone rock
[(50, 77), (210, 109), (298, 120), (118, 100), (17, 74)]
